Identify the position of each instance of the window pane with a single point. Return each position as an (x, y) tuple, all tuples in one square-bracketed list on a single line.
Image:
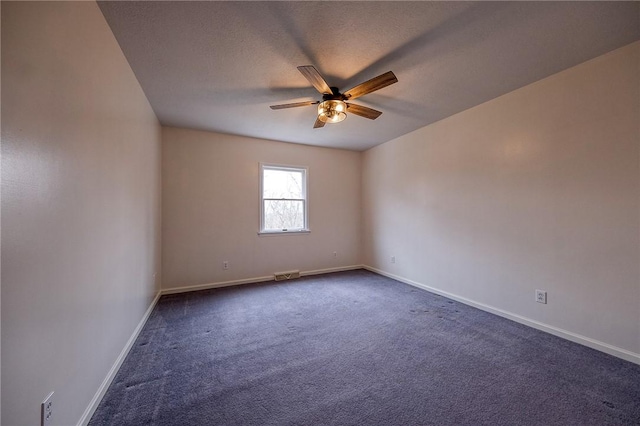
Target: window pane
[(282, 184), (283, 214)]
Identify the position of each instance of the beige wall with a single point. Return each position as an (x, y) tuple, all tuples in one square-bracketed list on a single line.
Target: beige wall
[(80, 207), (537, 189), (210, 208)]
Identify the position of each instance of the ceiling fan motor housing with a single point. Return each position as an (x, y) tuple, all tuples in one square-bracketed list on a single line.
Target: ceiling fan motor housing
[(335, 95)]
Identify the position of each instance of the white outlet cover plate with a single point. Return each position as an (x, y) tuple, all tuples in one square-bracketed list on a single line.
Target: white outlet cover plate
[(46, 410)]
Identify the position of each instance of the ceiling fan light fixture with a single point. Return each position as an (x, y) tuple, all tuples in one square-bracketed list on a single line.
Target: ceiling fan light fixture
[(332, 111)]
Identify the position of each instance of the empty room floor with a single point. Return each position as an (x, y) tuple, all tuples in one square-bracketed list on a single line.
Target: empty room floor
[(356, 348)]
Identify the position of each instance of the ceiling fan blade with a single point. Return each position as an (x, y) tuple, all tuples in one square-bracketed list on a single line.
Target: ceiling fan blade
[(363, 111), (372, 85), (295, 104), (311, 73), (318, 123)]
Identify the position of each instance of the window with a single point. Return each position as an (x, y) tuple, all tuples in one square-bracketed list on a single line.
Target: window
[(283, 204)]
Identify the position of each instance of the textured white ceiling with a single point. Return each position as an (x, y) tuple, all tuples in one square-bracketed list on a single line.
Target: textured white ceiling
[(219, 65)]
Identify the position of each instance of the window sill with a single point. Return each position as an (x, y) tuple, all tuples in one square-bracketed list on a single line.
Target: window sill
[(294, 232)]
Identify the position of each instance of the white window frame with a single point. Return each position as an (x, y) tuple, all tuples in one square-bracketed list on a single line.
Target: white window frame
[(305, 201)]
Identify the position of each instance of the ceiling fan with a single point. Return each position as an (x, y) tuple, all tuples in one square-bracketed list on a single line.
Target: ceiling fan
[(333, 108)]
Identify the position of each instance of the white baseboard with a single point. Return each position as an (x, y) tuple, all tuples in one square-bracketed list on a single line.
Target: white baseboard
[(95, 401), (175, 290), (216, 285), (330, 270), (577, 338)]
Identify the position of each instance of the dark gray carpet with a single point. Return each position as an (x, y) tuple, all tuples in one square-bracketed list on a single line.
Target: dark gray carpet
[(356, 348)]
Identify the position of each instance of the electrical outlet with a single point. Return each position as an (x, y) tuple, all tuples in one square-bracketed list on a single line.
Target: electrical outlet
[(335, 254), (541, 296), (46, 411), (225, 264), (393, 259)]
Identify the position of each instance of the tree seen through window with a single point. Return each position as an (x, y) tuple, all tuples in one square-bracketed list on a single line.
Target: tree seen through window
[(283, 198)]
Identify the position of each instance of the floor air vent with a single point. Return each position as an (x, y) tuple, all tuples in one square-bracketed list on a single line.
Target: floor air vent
[(289, 275)]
